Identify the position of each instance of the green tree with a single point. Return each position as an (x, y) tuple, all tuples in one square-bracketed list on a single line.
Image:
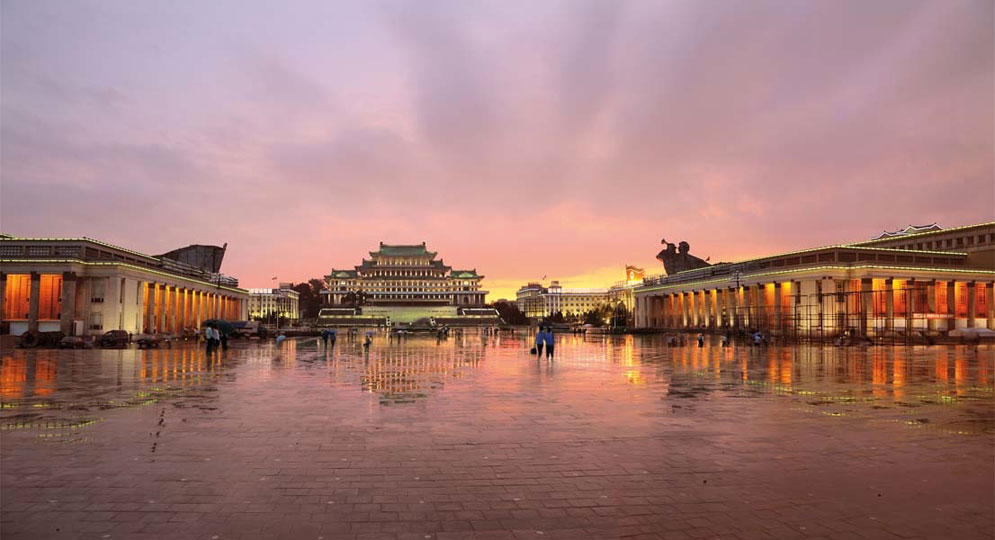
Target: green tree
[(510, 313), (310, 297)]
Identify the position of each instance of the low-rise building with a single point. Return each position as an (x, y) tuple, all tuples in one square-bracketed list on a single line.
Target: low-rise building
[(83, 286), (922, 279), (282, 302)]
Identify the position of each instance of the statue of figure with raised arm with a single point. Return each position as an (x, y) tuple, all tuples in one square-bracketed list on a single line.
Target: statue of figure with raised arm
[(677, 259)]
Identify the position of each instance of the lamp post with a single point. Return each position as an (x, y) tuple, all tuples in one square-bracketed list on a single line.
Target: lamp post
[(737, 275)]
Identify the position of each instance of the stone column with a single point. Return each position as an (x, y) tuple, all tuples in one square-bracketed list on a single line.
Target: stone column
[(911, 304), (778, 307), (3, 294), (932, 306), (866, 304), (112, 304), (764, 317), (175, 312), (67, 309), (990, 305), (162, 297), (33, 301), (889, 304), (747, 309), (951, 306), (734, 318), (671, 310), (656, 311), (705, 316), (186, 307), (648, 311), (972, 304)]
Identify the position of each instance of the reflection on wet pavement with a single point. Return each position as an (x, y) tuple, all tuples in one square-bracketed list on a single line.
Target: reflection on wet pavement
[(473, 437)]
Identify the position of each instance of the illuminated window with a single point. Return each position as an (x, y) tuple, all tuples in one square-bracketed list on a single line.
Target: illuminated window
[(901, 296), (941, 297), (960, 299), (16, 296), (980, 303), (49, 293)]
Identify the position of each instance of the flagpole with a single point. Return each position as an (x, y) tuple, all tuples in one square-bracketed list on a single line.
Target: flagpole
[(276, 301)]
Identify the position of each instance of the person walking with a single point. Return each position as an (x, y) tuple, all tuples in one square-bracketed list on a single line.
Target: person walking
[(537, 348), (217, 338), (701, 340), (223, 336), (209, 338), (549, 341)]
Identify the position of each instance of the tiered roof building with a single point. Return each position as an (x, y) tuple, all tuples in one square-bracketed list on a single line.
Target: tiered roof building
[(405, 275)]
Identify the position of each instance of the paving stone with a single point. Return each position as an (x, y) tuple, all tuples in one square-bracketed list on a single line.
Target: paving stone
[(619, 437)]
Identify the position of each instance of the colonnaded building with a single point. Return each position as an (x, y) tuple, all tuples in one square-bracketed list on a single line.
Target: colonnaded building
[(919, 280), (403, 283), (82, 286)]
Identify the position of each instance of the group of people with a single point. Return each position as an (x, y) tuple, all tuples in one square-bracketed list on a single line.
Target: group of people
[(544, 338), (215, 338), (328, 336)]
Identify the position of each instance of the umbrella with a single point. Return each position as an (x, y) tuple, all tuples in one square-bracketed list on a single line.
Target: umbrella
[(224, 327), (370, 333), (966, 332)]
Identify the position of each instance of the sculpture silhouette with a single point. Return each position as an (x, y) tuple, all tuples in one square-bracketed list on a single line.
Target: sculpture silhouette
[(677, 259)]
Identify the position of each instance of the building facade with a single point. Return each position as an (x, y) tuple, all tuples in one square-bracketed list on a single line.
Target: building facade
[(83, 286), (921, 280), (405, 275), (537, 301), (282, 302)]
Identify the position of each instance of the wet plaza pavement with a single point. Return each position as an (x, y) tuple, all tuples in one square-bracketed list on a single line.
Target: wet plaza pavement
[(619, 437)]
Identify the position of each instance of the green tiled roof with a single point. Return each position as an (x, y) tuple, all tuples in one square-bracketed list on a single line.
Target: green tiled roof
[(466, 274), (403, 250)]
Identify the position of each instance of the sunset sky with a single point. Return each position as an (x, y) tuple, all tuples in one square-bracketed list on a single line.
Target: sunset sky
[(522, 139)]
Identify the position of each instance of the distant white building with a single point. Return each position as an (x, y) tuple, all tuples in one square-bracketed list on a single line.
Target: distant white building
[(265, 303), (536, 301)]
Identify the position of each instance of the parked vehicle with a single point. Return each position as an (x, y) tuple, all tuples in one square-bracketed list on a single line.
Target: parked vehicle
[(34, 338), (114, 338), (75, 342), (150, 341), (249, 329)]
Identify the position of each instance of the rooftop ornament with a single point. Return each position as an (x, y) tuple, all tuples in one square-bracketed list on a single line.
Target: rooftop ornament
[(678, 259)]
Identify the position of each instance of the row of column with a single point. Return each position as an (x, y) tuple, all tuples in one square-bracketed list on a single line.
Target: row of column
[(749, 306), (822, 305), (169, 308), (165, 307)]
